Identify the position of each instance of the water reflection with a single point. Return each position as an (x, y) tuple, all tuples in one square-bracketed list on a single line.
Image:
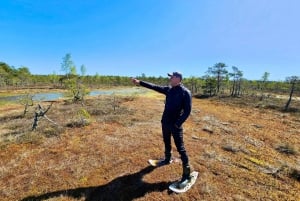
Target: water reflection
[(57, 95)]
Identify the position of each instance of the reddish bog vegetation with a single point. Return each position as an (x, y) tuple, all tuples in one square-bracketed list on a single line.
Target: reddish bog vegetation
[(99, 151)]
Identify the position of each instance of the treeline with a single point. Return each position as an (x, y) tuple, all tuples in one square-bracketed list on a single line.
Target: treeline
[(17, 78), (222, 80), (218, 80), (11, 76)]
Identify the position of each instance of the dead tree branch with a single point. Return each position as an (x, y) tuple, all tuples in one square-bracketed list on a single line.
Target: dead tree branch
[(39, 113)]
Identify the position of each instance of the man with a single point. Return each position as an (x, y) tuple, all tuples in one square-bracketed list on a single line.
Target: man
[(177, 109)]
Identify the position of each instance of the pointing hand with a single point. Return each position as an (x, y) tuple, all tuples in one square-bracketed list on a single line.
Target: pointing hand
[(135, 81)]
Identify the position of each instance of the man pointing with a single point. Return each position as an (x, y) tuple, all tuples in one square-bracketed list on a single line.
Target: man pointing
[(177, 109)]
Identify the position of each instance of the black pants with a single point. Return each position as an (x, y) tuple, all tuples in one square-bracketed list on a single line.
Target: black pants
[(177, 134)]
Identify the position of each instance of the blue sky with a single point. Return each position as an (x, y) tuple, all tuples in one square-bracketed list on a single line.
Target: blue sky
[(131, 37)]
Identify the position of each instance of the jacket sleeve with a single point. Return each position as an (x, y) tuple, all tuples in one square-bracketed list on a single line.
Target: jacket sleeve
[(160, 89), (187, 107)]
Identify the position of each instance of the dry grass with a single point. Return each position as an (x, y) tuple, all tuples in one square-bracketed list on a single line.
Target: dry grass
[(107, 159)]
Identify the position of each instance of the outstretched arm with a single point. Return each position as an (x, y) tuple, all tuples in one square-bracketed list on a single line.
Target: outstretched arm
[(160, 89)]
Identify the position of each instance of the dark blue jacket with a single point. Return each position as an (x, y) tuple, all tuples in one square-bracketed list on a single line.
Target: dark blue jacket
[(178, 102)]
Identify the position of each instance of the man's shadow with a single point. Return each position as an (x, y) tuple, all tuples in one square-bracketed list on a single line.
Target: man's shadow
[(125, 188)]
